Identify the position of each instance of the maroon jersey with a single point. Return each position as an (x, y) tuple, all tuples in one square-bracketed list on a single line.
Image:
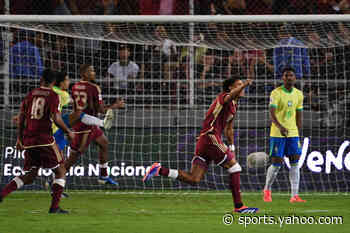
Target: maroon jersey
[(38, 108), (87, 98), (218, 115)]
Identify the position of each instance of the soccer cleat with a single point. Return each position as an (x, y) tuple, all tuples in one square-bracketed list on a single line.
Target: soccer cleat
[(107, 180), (64, 195), (296, 198), (267, 196), (58, 211), (246, 210), (108, 120), (153, 171)]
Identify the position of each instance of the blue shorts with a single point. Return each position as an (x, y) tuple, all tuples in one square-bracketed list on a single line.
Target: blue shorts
[(280, 147), (59, 134)]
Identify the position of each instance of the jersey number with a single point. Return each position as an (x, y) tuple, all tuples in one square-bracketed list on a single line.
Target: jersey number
[(38, 106), (80, 99)]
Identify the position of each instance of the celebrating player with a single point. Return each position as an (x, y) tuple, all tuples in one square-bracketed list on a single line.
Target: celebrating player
[(210, 147), (286, 104), (88, 99), (35, 136)]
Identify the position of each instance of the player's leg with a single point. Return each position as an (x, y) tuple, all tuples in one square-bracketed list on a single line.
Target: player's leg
[(193, 177), (102, 142), (58, 185), (18, 182), (198, 169), (277, 147), (106, 123), (78, 147), (229, 163), (31, 166), (293, 151)]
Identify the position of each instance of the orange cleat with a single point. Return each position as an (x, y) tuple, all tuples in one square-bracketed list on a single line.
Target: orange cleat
[(296, 198), (267, 196)]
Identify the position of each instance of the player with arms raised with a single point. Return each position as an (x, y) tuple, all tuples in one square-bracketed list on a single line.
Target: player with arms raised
[(88, 99), (219, 119), (38, 109), (286, 105)]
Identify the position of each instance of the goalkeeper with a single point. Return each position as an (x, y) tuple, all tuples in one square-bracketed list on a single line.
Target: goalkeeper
[(286, 104)]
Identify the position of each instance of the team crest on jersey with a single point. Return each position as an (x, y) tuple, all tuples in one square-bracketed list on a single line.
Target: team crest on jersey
[(290, 103)]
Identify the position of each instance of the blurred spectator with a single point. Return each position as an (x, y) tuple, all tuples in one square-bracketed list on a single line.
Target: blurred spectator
[(39, 7), (167, 7), (291, 52), (25, 57), (149, 7), (314, 99), (259, 7), (122, 70), (168, 52), (207, 7), (327, 7), (260, 65), (240, 66), (235, 7)]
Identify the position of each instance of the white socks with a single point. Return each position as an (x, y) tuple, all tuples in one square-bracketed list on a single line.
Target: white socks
[(294, 178), (19, 182), (91, 120), (272, 172), (61, 182), (173, 173)]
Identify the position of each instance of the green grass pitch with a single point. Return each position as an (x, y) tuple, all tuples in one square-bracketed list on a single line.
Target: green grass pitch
[(183, 212)]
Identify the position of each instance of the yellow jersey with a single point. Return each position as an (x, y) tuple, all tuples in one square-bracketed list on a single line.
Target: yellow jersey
[(64, 98), (286, 104)]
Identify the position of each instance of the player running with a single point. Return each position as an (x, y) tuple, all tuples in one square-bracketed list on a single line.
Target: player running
[(35, 136), (219, 119), (286, 104), (88, 99)]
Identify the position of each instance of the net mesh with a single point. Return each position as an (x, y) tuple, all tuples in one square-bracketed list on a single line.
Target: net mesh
[(173, 73)]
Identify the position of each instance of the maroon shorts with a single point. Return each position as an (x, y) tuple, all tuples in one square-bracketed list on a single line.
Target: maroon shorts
[(44, 156), (209, 148), (83, 138)]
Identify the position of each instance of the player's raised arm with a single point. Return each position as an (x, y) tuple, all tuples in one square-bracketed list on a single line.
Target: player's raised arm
[(237, 90)]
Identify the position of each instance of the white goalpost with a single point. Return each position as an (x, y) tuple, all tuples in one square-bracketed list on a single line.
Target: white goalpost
[(181, 62)]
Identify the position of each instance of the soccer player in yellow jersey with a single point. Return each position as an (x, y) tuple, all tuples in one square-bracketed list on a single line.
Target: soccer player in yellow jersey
[(286, 105)]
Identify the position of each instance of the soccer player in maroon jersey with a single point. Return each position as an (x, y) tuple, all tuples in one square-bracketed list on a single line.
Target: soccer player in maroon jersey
[(219, 119), (35, 136), (88, 99)]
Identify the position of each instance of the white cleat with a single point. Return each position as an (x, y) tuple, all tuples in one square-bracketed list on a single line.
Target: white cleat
[(108, 120)]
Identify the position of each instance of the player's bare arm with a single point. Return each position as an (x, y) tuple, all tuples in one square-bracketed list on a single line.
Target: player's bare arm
[(236, 91), (274, 120), (299, 116), (118, 104)]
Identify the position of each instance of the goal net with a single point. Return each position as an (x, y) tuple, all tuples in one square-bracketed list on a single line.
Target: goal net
[(170, 76)]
